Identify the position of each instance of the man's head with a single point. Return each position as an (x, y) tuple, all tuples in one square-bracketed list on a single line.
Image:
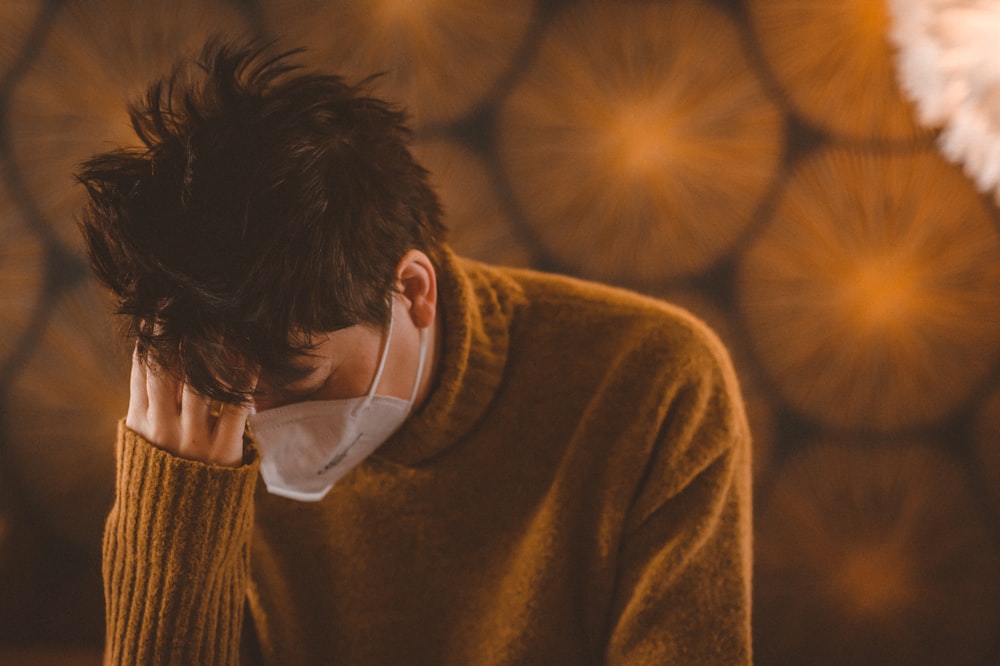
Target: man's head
[(266, 206)]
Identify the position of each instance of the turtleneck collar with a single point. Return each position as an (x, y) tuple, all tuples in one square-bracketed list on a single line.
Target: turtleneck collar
[(477, 303)]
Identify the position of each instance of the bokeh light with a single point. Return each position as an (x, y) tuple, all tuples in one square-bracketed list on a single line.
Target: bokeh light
[(640, 141), (478, 226), (439, 57), (873, 557), (833, 61), (869, 306), (62, 413)]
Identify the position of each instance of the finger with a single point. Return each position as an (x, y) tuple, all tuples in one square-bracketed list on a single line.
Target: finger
[(229, 433), (201, 439), (161, 391), (138, 401), (196, 422), (230, 427)]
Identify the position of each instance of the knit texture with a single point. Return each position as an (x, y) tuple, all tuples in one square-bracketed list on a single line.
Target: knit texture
[(176, 557), (575, 490)]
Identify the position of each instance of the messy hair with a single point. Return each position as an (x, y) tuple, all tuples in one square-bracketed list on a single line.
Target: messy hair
[(265, 204)]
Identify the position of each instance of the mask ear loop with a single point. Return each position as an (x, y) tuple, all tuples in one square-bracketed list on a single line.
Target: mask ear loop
[(381, 363), (420, 365)]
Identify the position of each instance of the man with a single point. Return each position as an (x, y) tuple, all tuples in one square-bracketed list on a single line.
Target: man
[(346, 445)]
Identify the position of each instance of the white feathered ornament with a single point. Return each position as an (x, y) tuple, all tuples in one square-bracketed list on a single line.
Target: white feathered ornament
[(948, 63)]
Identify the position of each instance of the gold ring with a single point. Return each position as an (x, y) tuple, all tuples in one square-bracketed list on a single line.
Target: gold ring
[(215, 408)]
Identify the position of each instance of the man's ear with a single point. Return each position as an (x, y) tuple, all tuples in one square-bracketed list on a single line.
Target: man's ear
[(416, 281)]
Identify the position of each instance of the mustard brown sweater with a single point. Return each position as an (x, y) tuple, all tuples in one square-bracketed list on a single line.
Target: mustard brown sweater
[(575, 490)]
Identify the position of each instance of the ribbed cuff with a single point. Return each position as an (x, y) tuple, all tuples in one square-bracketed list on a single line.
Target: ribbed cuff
[(176, 557)]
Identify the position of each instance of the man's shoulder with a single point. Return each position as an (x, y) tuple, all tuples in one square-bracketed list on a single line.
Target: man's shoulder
[(576, 312)]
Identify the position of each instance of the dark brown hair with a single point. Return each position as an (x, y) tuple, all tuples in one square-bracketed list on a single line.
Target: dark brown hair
[(267, 203)]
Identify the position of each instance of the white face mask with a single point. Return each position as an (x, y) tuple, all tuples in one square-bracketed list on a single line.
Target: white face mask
[(306, 447)]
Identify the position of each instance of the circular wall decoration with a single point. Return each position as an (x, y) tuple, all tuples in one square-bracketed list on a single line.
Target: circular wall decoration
[(639, 142), (834, 63), (870, 306), (478, 227), (873, 557), (437, 58), (62, 414)]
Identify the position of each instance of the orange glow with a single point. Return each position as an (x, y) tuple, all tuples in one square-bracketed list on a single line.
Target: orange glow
[(477, 226), (640, 140), (874, 580), (833, 60), (73, 390), (870, 20), (401, 12), (438, 58), (871, 306), (880, 292), (855, 554)]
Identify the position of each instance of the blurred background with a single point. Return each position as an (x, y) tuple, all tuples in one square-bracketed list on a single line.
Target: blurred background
[(752, 160)]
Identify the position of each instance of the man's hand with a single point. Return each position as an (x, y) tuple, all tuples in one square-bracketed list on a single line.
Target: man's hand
[(180, 421)]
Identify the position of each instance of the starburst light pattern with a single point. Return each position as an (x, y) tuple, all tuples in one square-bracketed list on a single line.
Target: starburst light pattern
[(478, 226), (873, 557), (869, 306), (640, 140), (833, 61), (437, 57)]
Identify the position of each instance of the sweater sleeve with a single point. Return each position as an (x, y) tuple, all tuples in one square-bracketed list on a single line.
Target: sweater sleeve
[(176, 557), (682, 594)]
